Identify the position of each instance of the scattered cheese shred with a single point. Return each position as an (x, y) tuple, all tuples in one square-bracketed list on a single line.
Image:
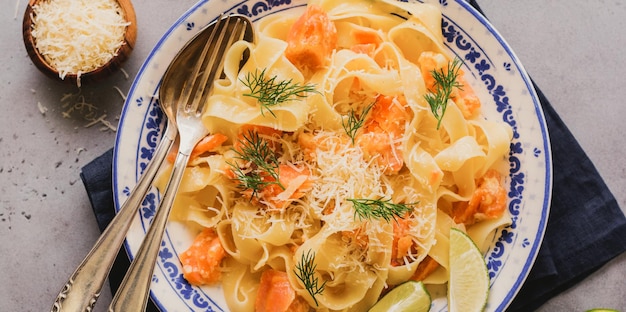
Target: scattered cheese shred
[(77, 104), (17, 7), (78, 36), (42, 109), (120, 92), (126, 75)]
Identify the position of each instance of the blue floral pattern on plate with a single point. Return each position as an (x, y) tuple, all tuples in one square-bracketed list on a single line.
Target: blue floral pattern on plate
[(499, 78)]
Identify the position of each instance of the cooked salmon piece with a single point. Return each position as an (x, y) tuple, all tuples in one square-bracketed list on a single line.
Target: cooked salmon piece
[(487, 202), (311, 40), (275, 294), (201, 261), (383, 130)]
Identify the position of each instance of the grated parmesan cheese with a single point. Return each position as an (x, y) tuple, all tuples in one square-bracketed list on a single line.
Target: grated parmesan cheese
[(120, 92), (78, 104), (17, 7), (343, 173), (42, 109), (78, 36), (126, 75)]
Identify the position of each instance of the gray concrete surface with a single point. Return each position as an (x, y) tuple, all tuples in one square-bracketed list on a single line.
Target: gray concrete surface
[(573, 50)]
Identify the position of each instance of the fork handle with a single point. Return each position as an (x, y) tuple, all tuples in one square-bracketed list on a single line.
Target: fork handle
[(132, 294), (82, 290)]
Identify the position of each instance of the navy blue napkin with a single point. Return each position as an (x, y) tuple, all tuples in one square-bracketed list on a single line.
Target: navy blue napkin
[(586, 227)]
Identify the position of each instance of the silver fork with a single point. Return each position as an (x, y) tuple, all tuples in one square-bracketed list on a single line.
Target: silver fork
[(133, 292)]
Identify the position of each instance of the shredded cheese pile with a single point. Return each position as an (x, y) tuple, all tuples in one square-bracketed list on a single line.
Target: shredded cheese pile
[(344, 173), (78, 36)]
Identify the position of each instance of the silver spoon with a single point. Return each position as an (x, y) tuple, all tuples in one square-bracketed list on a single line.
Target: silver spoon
[(205, 67), (83, 288)]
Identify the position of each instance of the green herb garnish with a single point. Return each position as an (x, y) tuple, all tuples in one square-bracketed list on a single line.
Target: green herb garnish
[(305, 271), (445, 82), (380, 208), (262, 160), (354, 122), (271, 91)]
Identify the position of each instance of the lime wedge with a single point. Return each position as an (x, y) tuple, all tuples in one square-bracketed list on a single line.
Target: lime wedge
[(602, 310), (409, 296), (468, 286)]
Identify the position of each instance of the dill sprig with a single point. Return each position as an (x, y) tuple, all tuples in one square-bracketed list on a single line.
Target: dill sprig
[(305, 271), (258, 153), (271, 91), (354, 122), (250, 181), (379, 209), (445, 82)]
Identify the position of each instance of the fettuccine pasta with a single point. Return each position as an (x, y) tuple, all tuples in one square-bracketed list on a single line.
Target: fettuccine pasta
[(348, 185)]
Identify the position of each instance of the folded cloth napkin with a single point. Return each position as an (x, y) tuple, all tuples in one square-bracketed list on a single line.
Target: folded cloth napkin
[(586, 227)]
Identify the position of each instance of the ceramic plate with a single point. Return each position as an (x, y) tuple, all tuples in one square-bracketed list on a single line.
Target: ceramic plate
[(499, 78)]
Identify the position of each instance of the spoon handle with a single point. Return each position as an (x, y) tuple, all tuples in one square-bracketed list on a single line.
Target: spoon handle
[(132, 294), (82, 290)]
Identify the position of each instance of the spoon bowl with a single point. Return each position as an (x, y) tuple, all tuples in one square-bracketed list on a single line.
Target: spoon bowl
[(179, 72), (99, 73), (174, 80)]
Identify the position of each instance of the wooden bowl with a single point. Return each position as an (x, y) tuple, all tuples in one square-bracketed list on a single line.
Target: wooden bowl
[(97, 74)]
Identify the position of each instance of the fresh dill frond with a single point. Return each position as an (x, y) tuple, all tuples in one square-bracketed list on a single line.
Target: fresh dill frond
[(305, 271), (445, 82), (269, 91), (353, 123), (250, 181), (366, 209), (257, 152)]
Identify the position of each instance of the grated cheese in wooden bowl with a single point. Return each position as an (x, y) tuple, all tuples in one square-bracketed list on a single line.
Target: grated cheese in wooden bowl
[(76, 37)]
